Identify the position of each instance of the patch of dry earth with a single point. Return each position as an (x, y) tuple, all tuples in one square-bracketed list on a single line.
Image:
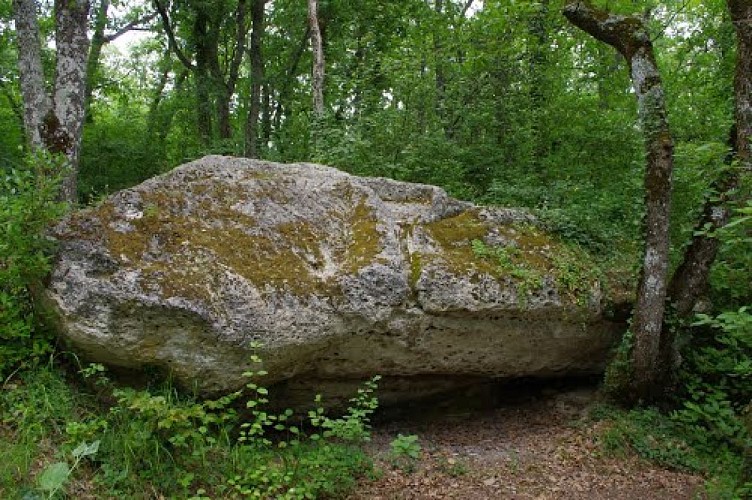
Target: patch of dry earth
[(536, 449)]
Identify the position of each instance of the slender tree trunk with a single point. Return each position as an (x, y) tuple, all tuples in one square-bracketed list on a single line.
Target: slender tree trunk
[(318, 60), (439, 76), (289, 78), (203, 78), (36, 100), (537, 60), (257, 79), (629, 36), (266, 114), (95, 53), (741, 14), (228, 86), (691, 278)]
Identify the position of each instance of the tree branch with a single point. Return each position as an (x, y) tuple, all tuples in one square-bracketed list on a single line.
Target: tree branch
[(171, 35), (131, 26), (625, 33), (240, 42)]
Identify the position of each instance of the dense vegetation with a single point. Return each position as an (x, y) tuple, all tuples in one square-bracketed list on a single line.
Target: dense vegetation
[(498, 102)]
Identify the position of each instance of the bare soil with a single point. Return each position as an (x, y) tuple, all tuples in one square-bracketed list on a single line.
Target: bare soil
[(541, 446)]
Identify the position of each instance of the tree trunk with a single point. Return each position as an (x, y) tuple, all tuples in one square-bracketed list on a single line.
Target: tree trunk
[(95, 53), (629, 36), (228, 86), (257, 79), (539, 46), (36, 100), (266, 114), (741, 14), (289, 78), (203, 78), (318, 60), (439, 76), (691, 278), (55, 123)]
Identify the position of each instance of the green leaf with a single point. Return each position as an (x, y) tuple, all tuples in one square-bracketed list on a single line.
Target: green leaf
[(54, 477), (85, 449)]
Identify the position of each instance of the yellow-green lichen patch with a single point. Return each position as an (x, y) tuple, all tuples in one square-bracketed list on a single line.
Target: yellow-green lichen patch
[(363, 239), (526, 256), (416, 267), (454, 236), (174, 234)]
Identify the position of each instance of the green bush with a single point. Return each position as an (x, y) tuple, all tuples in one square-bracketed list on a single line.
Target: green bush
[(27, 208), (157, 440)]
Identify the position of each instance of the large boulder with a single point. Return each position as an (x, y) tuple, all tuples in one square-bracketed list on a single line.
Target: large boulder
[(337, 277)]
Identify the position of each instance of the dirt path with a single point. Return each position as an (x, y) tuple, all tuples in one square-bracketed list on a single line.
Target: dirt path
[(540, 448)]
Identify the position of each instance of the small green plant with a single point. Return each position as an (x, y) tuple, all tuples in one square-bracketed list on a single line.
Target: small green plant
[(405, 452), (55, 476), (304, 465), (509, 263), (453, 467)]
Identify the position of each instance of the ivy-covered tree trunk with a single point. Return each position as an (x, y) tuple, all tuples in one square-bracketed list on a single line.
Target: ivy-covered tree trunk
[(55, 122), (629, 36), (691, 277)]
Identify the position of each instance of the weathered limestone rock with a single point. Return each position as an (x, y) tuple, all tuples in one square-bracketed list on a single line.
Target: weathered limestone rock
[(337, 277)]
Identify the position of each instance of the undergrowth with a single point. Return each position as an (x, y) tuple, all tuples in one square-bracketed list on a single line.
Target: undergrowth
[(59, 438)]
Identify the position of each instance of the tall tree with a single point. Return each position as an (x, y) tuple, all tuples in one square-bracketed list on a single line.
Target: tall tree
[(257, 79), (215, 82), (630, 37), (55, 121), (317, 71)]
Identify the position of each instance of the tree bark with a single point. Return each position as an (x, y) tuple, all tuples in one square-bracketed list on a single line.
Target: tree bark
[(257, 79), (318, 60), (539, 46), (289, 78), (55, 123), (629, 36), (439, 76), (95, 53), (228, 85), (72, 44), (36, 100), (202, 73), (690, 280)]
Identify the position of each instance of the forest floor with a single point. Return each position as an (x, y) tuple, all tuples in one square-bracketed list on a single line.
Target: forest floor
[(539, 446)]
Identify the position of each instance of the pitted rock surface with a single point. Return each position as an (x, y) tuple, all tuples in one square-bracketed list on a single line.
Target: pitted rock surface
[(337, 277)]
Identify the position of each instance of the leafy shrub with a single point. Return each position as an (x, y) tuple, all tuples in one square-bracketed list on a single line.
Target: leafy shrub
[(27, 207), (718, 380), (405, 451)]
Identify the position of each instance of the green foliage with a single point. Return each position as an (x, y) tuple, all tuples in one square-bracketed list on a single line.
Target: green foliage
[(405, 451), (527, 278), (668, 441), (27, 208), (55, 476), (706, 431), (717, 378), (158, 440)]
